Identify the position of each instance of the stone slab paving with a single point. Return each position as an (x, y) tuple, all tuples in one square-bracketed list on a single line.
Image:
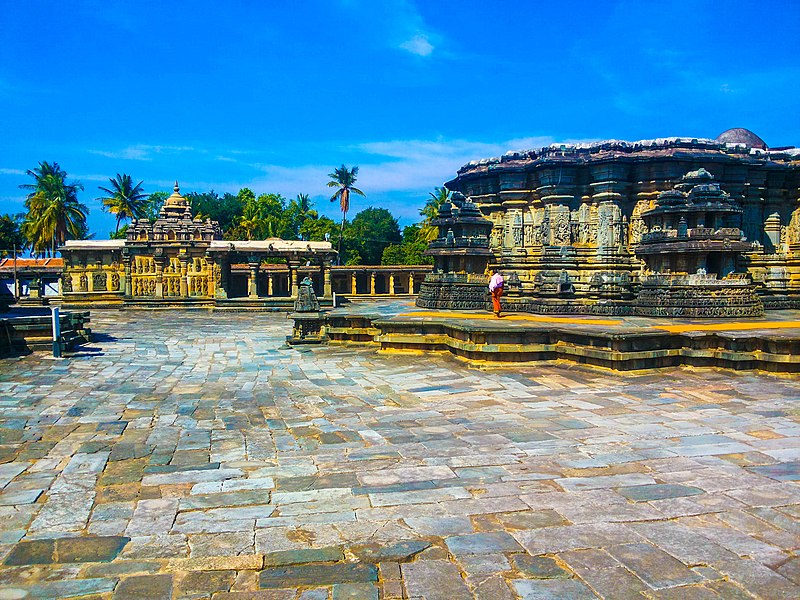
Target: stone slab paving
[(194, 455)]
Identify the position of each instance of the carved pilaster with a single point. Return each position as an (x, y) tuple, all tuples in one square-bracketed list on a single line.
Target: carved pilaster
[(326, 279)]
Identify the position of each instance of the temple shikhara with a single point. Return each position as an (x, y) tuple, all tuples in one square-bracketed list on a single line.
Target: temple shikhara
[(664, 227)]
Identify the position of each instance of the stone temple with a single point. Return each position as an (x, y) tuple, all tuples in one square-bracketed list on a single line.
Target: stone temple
[(664, 227)]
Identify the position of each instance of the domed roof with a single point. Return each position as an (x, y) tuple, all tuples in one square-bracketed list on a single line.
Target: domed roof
[(176, 200), (738, 135)]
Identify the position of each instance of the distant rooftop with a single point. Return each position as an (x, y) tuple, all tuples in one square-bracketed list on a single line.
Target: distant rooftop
[(738, 135)]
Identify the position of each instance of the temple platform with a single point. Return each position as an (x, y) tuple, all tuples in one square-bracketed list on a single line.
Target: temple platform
[(770, 343)]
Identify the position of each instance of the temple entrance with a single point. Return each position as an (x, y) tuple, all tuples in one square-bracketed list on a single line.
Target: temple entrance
[(237, 285)]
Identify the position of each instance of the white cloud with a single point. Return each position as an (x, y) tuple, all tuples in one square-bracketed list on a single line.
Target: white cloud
[(387, 167), (141, 151), (11, 171), (418, 45)]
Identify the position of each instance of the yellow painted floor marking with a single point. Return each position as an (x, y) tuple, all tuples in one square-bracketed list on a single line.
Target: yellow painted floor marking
[(510, 317), (731, 326)]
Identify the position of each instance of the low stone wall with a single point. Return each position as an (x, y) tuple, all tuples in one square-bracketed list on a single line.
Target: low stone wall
[(34, 333), (713, 300), (619, 350), (454, 295)]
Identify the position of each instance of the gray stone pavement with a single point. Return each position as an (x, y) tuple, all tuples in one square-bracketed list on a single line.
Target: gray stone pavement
[(193, 455)]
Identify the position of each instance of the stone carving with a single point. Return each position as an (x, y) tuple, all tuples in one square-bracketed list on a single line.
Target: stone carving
[(66, 283), (561, 227), (99, 281), (637, 229), (605, 232)]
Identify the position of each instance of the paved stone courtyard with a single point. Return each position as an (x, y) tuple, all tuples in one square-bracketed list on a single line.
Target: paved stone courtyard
[(189, 455)]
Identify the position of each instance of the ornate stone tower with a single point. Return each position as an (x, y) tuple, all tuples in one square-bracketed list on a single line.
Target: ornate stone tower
[(461, 256), (692, 253)]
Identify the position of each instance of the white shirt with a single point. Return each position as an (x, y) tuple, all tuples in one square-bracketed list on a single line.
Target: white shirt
[(496, 282)]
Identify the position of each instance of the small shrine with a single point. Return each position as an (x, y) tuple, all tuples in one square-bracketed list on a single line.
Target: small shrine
[(309, 327), (692, 252), (461, 257)]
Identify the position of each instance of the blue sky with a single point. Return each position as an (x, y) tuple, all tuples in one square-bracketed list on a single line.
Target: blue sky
[(274, 95)]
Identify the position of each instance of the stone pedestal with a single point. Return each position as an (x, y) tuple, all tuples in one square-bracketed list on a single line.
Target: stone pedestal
[(309, 324)]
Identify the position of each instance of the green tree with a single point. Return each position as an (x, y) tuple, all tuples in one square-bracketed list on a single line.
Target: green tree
[(430, 211), (343, 179), (11, 235), (226, 210), (125, 200), (263, 217), (54, 212), (315, 228), (410, 251), (299, 210), (154, 203), (372, 230)]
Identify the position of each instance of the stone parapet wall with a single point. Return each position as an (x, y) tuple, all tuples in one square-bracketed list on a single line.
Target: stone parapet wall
[(454, 294), (693, 301)]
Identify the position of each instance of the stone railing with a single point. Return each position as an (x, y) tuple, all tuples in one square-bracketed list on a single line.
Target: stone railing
[(662, 280), (480, 241), (457, 278), (662, 234), (709, 233)]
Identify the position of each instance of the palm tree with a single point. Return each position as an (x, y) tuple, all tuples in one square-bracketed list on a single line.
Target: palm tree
[(252, 221), (54, 213), (124, 199), (301, 210), (439, 196), (344, 178)]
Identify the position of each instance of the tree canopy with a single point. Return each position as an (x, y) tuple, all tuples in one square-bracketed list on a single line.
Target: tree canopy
[(344, 178), (123, 199), (54, 212), (11, 234), (54, 215)]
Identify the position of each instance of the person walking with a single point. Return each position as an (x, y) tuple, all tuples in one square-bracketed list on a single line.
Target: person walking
[(496, 290)]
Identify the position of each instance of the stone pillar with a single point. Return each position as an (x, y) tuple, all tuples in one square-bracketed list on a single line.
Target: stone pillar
[(222, 276), (109, 282), (270, 285), (353, 283), (128, 283), (293, 281), (89, 280), (326, 280), (252, 280), (184, 285), (411, 283), (159, 262), (212, 282), (391, 284), (772, 230), (372, 283)]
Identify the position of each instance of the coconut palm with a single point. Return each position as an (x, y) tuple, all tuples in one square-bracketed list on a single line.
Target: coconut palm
[(54, 213), (344, 178), (428, 232), (125, 200), (300, 210)]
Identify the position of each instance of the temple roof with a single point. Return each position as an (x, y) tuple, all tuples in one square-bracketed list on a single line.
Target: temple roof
[(734, 144), (176, 206), (738, 135)]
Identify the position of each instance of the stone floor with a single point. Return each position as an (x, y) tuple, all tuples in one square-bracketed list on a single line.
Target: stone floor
[(193, 455)]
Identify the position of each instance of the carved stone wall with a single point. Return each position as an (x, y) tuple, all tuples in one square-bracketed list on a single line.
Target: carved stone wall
[(578, 209)]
